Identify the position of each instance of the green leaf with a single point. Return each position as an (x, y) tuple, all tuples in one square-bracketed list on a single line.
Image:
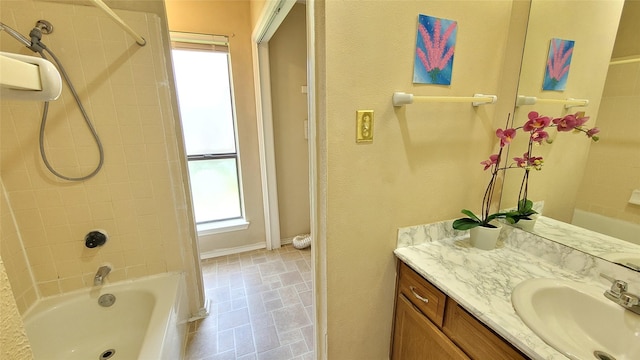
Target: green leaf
[(528, 205), (523, 204), (471, 215), (525, 207), (465, 224)]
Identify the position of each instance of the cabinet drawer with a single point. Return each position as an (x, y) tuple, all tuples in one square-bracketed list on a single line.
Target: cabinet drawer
[(427, 298), (417, 338), (474, 338)]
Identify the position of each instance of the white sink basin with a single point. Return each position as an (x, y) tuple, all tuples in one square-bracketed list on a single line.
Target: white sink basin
[(577, 320)]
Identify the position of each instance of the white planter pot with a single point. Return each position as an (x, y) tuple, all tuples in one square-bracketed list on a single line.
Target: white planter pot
[(527, 225), (484, 238)]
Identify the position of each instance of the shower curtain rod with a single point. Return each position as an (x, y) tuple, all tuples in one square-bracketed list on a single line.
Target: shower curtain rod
[(102, 6), (625, 60)]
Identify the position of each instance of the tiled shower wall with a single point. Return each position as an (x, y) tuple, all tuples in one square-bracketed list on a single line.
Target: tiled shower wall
[(138, 197), (613, 169), (614, 163), (14, 257)]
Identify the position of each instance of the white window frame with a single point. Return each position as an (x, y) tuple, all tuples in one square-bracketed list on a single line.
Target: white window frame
[(207, 42)]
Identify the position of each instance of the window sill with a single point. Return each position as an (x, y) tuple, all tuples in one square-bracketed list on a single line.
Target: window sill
[(219, 227)]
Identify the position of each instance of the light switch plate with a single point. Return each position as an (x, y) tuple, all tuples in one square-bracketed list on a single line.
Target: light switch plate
[(364, 126)]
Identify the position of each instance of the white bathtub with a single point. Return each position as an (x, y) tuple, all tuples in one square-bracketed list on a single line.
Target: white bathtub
[(146, 322), (620, 229)]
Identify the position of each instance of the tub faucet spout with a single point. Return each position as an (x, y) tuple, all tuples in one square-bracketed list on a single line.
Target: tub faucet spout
[(101, 274)]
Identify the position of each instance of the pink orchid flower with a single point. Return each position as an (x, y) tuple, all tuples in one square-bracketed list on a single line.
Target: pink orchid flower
[(539, 135), (521, 161), (536, 122), (581, 120), (526, 161), (592, 132), (567, 123), (493, 159), (505, 136)]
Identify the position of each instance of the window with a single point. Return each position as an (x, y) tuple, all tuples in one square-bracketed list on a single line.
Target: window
[(203, 82)]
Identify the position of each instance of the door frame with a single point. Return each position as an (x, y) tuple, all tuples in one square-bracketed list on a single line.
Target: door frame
[(273, 14)]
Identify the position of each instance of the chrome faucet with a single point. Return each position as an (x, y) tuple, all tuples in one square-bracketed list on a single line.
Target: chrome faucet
[(619, 295), (103, 271)]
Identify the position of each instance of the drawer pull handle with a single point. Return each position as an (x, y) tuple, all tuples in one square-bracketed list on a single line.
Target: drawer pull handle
[(413, 290)]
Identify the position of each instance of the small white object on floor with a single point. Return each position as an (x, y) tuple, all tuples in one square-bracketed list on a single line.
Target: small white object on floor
[(302, 241)]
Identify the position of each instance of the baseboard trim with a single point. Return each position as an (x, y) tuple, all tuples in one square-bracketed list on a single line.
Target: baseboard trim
[(230, 251)]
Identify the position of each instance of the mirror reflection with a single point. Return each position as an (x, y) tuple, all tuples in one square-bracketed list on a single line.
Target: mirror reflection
[(587, 187)]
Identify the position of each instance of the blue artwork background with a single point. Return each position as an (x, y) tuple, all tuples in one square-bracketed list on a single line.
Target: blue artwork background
[(421, 74), (549, 82)]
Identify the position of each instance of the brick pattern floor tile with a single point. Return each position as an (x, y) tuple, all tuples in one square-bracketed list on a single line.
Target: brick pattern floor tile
[(261, 303)]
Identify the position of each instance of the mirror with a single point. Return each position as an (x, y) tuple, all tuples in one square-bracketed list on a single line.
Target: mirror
[(584, 183)]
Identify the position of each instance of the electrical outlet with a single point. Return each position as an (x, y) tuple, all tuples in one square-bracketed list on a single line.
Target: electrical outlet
[(364, 126)]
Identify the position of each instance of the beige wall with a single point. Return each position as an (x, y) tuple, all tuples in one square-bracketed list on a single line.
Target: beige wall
[(139, 195), (231, 18), (13, 339), (423, 165), (288, 64), (613, 167), (627, 43), (257, 7), (557, 183)]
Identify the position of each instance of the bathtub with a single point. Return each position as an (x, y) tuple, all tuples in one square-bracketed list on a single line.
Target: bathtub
[(620, 229), (147, 321)]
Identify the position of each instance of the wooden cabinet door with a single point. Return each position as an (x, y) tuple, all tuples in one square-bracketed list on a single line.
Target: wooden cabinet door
[(417, 338), (476, 339)]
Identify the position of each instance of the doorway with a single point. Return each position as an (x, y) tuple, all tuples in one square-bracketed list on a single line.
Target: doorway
[(273, 17)]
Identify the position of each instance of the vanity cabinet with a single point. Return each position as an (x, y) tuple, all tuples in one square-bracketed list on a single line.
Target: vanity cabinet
[(429, 325)]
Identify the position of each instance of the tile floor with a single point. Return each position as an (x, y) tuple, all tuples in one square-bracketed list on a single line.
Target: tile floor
[(261, 307)]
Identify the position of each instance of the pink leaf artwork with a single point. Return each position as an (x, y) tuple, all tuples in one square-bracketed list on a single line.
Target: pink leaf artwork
[(435, 47), (558, 63)]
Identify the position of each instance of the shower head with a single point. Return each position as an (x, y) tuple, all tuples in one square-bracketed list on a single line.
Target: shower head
[(16, 35)]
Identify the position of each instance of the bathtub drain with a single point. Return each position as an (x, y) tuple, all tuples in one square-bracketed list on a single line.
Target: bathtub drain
[(106, 300), (107, 354)]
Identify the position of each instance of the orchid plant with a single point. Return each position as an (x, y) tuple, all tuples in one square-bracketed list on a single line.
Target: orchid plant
[(493, 163), (535, 127)]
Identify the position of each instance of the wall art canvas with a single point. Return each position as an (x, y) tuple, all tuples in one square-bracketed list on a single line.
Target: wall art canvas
[(558, 63), (435, 45)]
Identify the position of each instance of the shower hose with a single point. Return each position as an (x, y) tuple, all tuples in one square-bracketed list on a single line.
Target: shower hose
[(37, 46)]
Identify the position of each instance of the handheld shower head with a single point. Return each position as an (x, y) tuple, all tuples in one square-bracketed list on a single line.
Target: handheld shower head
[(16, 35)]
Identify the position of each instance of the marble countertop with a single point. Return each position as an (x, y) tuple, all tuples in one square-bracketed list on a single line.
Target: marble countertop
[(588, 241), (482, 281)]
